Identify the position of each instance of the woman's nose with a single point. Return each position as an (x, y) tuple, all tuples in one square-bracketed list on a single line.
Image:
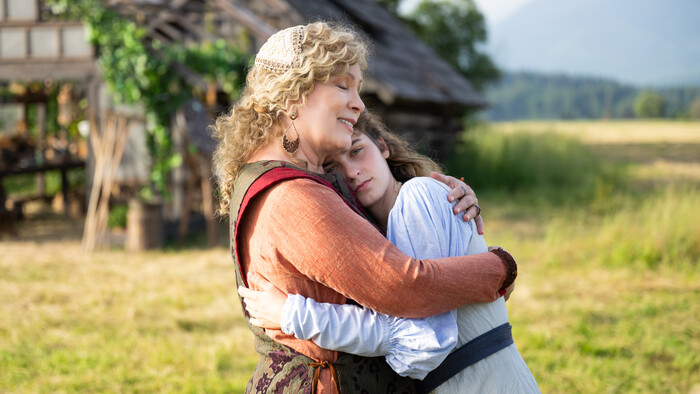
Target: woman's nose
[(356, 103)]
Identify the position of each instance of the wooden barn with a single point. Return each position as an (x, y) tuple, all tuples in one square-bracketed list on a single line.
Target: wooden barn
[(44, 64), (416, 93)]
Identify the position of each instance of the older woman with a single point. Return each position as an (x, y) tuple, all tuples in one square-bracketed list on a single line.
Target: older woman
[(303, 231)]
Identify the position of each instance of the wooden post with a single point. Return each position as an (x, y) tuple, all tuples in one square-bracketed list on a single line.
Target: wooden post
[(108, 147), (208, 200), (40, 178), (144, 226), (65, 189)]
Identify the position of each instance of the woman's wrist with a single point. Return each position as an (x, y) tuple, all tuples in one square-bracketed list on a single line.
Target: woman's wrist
[(511, 267)]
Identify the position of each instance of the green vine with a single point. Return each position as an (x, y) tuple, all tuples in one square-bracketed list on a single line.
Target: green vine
[(140, 70)]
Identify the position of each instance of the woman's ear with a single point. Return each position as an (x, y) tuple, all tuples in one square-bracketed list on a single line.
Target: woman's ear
[(383, 147), (291, 111)]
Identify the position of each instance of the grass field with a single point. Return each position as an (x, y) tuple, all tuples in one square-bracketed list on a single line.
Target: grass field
[(606, 300)]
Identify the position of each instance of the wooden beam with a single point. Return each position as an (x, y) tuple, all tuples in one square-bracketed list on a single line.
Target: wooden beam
[(165, 22), (167, 30), (34, 70), (259, 28), (197, 30), (178, 3)]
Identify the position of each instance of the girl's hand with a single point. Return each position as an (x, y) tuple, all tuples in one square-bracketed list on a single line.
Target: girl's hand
[(467, 199), (264, 306)]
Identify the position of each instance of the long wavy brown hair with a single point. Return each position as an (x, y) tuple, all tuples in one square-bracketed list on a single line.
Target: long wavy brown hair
[(254, 120), (404, 162)]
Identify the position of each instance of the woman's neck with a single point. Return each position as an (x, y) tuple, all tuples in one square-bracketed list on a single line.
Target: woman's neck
[(275, 151), (380, 210)]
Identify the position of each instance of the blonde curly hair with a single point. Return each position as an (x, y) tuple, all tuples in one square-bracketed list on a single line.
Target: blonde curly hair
[(326, 50), (404, 162)]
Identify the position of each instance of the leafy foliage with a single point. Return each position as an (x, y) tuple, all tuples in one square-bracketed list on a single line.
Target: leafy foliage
[(529, 95), (694, 110), (117, 216), (454, 29), (139, 70), (522, 162), (391, 5), (649, 104)]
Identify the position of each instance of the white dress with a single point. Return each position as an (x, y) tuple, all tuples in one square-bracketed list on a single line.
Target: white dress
[(421, 224)]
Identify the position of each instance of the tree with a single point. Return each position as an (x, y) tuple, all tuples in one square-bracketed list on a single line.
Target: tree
[(454, 29), (649, 104), (694, 109), (391, 5)]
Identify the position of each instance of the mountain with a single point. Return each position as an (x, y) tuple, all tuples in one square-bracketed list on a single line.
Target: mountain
[(642, 42), (528, 95)]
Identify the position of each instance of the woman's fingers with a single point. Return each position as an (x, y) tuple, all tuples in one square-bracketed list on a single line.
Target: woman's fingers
[(471, 212), (447, 180), (259, 281), (466, 203), (479, 224), (460, 191), (465, 197)]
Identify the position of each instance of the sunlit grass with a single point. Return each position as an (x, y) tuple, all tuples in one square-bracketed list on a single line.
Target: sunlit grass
[(612, 132), (546, 166), (607, 302), (606, 299), (115, 322)]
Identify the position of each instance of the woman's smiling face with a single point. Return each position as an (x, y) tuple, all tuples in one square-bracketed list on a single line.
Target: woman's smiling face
[(325, 123)]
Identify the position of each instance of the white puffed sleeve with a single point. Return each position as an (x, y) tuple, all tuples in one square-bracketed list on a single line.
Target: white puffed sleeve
[(413, 347)]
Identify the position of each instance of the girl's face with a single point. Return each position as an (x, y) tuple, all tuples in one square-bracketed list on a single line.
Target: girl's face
[(326, 121), (365, 168)]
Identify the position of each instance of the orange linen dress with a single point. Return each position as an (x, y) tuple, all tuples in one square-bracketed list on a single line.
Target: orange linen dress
[(304, 238)]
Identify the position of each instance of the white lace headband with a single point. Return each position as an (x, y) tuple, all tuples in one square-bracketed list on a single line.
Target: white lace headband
[(282, 50)]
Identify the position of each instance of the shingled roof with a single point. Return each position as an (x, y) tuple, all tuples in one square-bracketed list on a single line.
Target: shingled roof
[(402, 68)]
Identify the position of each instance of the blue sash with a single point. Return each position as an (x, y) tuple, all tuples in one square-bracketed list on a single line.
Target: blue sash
[(475, 350)]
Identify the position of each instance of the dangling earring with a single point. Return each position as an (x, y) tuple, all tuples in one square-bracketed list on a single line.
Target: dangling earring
[(291, 147)]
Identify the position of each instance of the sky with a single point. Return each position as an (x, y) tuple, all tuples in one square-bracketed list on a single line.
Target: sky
[(496, 11)]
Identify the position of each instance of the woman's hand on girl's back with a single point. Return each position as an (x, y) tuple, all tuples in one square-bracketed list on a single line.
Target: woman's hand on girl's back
[(466, 199), (264, 306)]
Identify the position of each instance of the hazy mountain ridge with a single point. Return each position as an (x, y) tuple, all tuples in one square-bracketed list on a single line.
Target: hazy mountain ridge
[(528, 95), (643, 42)]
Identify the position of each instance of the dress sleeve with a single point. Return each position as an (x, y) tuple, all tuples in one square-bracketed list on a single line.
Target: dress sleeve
[(421, 223), (412, 347), (322, 238), (344, 328)]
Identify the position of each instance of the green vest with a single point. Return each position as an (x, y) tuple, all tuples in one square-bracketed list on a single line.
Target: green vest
[(281, 368)]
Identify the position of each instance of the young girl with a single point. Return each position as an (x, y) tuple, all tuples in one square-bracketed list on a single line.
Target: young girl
[(389, 180)]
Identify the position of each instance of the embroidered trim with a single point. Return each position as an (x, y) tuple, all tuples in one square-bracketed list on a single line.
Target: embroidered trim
[(281, 52)]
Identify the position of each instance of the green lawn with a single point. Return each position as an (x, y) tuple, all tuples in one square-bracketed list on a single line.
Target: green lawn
[(606, 300)]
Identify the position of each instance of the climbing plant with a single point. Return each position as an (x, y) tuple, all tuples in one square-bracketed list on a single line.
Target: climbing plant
[(137, 69)]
